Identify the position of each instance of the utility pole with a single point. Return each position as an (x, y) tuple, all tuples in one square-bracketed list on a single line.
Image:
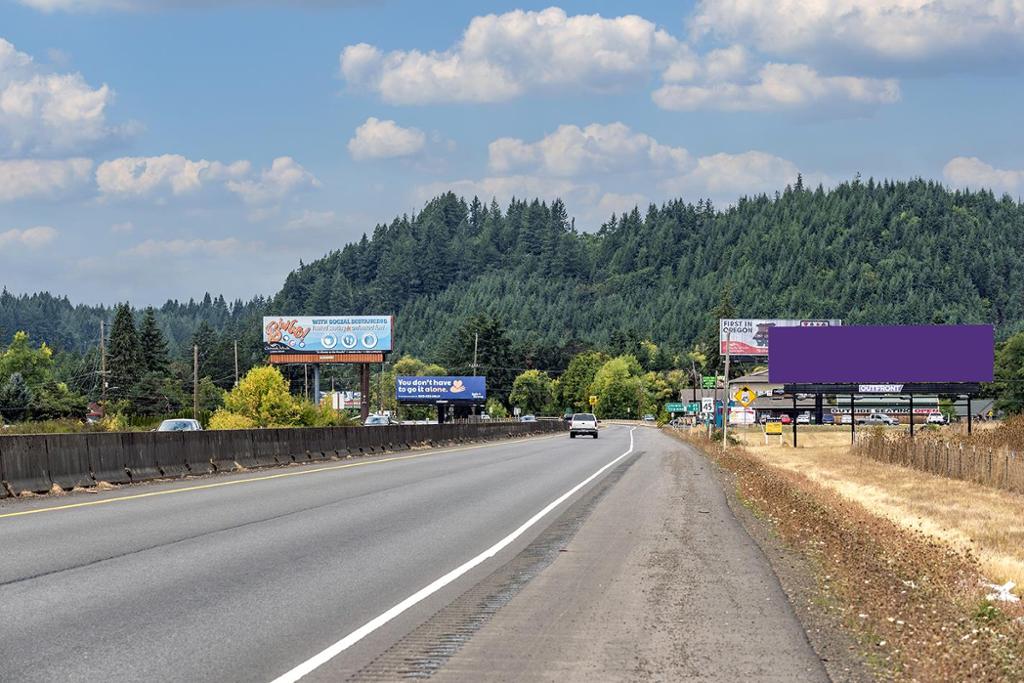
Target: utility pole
[(380, 389), (236, 362), (103, 364), (725, 402), (476, 345), (195, 381)]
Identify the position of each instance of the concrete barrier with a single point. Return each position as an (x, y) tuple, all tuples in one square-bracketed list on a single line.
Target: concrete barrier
[(24, 464), (35, 462), (107, 458), (139, 456)]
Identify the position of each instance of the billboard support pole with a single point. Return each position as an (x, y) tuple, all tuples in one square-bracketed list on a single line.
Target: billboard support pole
[(853, 422), (970, 415), (316, 383), (794, 420), (911, 415), (364, 389), (725, 402)]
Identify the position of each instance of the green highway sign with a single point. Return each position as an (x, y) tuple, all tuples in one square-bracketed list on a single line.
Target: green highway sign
[(692, 408), (675, 408), (708, 382)]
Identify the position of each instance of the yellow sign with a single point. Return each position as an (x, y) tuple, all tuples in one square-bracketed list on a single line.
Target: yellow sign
[(772, 427), (745, 396), (593, 400)]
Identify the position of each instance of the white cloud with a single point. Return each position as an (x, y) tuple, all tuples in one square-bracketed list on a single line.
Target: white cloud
[(49, 113), (182, 247), (312, 220), (613, 202), (893, 31), (972, 172), (31, 238), (597, 148), (41, 179), (779, 86), (731, 175), (377, 139), (123, 228), (284, 176), (502, 56), (147, 176)]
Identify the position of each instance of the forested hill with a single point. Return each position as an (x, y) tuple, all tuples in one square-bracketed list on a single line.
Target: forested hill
[(867, 252)]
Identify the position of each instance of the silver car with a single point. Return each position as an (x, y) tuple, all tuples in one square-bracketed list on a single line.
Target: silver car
[(180, 425)]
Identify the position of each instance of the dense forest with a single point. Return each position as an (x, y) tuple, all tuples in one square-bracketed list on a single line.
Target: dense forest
[(864, 251)]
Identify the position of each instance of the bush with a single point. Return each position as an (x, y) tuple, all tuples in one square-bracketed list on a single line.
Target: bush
[(223, 419)]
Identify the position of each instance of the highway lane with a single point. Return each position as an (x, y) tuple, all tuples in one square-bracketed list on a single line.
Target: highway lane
[(245, 581)]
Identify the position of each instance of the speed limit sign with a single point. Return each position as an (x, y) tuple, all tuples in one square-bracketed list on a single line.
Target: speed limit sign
[(707, 406)]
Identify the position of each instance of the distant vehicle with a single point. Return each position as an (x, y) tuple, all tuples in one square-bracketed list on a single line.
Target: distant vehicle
[(786, 420), (485, 416), (878, 419), (846, 419), (180, 425), (935, 419), (583, 424), (828, 419), (649, 418), (378, 421), (528, 418), (803, 419), (567, 417)]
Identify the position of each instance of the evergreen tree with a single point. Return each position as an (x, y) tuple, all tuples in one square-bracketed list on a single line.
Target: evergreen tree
[(125, 364), (15, 398), (153, 345)]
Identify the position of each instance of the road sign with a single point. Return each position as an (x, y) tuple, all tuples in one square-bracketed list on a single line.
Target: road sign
[(593, 400), (773, 427), (674, 408), (517, 411), (745, 396), (692, 408), (708, 382), (707, 406)]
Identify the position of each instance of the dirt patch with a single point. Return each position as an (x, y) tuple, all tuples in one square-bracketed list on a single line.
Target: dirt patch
[(915, 602)]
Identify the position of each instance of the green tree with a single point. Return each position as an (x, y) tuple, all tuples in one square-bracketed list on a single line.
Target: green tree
[(532, 392), (124, 354), (15, 398), (620, 389), (262, 396), (153, 345), (495, 356), (574, 384), (1009, 375), (35, 365)]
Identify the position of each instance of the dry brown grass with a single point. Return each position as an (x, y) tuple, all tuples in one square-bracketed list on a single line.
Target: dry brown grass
[(914, 600), (986, 521)]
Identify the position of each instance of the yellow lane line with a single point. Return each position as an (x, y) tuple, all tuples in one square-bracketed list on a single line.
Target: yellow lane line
[(251, 480)]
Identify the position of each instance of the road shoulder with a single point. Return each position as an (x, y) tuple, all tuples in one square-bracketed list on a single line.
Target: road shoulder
[(660, 583)]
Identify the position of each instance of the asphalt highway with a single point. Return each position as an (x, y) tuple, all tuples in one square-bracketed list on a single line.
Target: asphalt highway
[(211, 582), (445, 562)]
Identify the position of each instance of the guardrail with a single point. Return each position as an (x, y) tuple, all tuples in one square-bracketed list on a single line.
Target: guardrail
[(35, 463)]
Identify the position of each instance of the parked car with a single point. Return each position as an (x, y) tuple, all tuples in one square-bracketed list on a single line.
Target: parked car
[(803, 419), (649, 418), (936, 419), (846, 419), (180, 425), (378, 421), (878, 419), (828, 419), (583, 424), (528, 418), (786, 420)]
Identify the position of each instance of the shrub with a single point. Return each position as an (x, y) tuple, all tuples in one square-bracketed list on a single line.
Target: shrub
[(224, 419)]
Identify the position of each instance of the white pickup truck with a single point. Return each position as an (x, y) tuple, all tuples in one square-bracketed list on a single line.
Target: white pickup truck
[(583, 424), (878, 419)]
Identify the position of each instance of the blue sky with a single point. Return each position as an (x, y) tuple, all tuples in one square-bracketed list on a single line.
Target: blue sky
[(154, 149)]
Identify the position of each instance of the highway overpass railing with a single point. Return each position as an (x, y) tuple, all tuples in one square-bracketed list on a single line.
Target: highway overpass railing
[(37, 463)]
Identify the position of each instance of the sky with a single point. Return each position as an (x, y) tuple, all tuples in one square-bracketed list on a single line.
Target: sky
[(157, 149)]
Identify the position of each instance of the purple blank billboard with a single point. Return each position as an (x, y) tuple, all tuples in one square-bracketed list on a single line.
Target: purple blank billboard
[(869, 354)]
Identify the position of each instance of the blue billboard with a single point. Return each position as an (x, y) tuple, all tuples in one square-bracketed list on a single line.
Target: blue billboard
[(433, 389), (327, 334)]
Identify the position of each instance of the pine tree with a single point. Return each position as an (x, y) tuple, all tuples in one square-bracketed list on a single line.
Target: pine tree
[(124, 358), (153, 344)]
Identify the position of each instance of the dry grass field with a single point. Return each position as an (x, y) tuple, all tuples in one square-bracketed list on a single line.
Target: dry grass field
[(988, 522)]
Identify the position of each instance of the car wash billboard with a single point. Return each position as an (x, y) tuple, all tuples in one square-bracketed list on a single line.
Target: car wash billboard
[(749, 336), (434, 389), (881, 355), (327, 334)]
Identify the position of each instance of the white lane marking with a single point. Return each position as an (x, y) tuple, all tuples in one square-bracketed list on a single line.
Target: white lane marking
[(369, 627)]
